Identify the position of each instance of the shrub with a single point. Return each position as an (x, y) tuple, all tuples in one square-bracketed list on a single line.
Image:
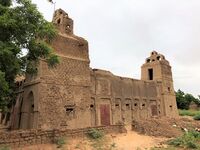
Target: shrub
[(60, 142), (184, 112), (188, 140), (176, 142), (197, 117), (95, 134)]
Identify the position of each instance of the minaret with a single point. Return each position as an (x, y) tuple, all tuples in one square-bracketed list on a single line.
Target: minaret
[(157, 69), (56, 97), (62, 21)]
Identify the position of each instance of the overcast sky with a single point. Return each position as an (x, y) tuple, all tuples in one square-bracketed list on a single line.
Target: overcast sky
[(122, 33)]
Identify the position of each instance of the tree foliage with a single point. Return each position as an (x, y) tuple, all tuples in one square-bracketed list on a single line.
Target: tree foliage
[(22, 27), (183, 100)]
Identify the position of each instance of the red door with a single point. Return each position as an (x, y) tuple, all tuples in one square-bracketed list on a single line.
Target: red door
[(105, 114)]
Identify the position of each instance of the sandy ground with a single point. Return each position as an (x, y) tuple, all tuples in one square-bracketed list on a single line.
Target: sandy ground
[(133, 140), (129, 141)]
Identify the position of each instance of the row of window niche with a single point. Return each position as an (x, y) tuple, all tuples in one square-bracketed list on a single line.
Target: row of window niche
[(20, 83), (158, 58), (128, 105)]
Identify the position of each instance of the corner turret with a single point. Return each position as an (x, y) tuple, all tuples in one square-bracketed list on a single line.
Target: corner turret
[(157, 69), (62, 21)]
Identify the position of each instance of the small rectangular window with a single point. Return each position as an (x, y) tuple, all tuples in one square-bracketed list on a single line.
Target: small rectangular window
[(128, 106), (150, 72)]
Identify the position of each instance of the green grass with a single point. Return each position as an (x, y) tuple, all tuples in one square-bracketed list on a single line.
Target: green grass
[(60, 142), (95, 134), (189, 140), (197, 117), (5, 148), (188, 112)]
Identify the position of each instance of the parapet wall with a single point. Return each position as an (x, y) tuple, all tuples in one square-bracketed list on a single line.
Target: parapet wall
[(21, 138)]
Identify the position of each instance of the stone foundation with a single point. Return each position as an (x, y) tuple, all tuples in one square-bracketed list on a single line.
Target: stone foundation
[(20, 138)]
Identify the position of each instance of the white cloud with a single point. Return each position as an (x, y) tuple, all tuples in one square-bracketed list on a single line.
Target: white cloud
[(121, 34)]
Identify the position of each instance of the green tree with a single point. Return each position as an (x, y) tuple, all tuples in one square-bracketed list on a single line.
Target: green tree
[(22, 27), (180, 99), (183, 100)]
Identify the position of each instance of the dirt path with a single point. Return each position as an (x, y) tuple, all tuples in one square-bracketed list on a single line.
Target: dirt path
[(133, 140)]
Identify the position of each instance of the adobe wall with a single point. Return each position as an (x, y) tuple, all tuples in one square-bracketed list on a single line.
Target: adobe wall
[(161, 72), (20, 138), (129, 99), (72, 95)]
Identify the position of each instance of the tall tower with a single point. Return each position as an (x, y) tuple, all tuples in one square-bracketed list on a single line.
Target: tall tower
[(157, 69), (59, 97)]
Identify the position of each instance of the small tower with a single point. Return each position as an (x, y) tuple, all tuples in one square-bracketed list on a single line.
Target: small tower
[(62, 21), (157, 69)]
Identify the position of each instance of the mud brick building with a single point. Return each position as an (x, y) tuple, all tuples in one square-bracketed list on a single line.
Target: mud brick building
[(73, 95)]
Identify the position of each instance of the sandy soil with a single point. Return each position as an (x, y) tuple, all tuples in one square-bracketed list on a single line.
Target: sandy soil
[(133, 140)]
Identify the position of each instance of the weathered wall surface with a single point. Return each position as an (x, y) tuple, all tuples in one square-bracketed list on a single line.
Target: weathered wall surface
[(157, 68), (65, 90), (22, 138), (72, 95), (128, 99)]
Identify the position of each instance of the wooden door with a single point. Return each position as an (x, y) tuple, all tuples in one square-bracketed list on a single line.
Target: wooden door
[(105, 114)]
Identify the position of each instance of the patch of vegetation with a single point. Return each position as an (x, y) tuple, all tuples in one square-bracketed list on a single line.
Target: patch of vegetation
[(197, 117), (184, 100), (98, 140), (113, 146), (188, 112), (5, 148), (95, 134), (189, 140), (60, 142)]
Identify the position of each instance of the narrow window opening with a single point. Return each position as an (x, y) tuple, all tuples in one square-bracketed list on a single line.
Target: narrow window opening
[(170, 107), (143, 105), (69, 110), (58, 21), (169, 89), (150, 71), (116, 105), (127, 106), (148, 60), (91, 106), (158, 58), (135, 104)]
